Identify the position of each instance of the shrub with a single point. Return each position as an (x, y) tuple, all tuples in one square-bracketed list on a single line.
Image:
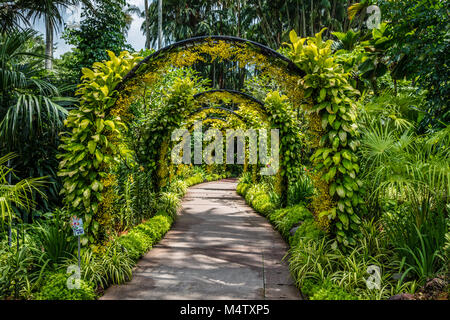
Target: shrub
[(168, 202), (136, 243), (56, 288), (421, 247), (308, 229), (53, 239), (321, 262), (329, 291), (301, 190), (285, 219), (179, 187), (262, 204), (198, 178)]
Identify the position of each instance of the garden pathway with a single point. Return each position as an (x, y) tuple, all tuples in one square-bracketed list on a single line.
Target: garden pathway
[(218, 248)]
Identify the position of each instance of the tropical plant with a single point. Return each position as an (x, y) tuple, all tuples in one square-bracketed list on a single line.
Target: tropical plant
[(102, 29), (300, 191), (332, 125), (16, 195), (29, 104), (84, 166)]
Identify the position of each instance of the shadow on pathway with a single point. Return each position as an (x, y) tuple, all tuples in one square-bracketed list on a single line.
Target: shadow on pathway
[(218, 248)]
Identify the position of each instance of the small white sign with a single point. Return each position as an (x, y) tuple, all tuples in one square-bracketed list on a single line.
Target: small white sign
[(77, 226)]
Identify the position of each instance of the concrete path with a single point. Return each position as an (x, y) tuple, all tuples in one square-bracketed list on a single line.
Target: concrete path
[(218, 248)]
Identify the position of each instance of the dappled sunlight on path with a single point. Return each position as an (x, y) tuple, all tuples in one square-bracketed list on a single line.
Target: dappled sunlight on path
[(218, 248)]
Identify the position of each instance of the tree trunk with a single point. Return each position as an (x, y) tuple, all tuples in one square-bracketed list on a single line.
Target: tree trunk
[(239, 18), (312, 18), (159, 24), (304, 18), (147, 26), (48, 43)]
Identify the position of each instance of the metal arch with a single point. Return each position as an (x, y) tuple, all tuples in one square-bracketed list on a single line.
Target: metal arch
[(230, 111), (269, 52), (210, 118), (234, 92)]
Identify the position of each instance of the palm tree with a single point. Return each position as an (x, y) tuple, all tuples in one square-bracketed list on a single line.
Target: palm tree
[(51, 11), (16, 195), (29, 103)]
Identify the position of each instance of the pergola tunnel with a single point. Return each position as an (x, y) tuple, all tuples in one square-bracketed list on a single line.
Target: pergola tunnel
[(141, 137)]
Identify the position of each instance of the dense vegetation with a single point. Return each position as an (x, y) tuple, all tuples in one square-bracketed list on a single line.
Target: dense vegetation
[(365, 140)]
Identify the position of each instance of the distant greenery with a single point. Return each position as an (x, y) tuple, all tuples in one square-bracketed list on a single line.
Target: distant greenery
[(100, 30)]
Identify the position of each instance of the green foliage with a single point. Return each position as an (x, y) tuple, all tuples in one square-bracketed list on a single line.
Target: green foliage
[(307, 229), (168, 203), (333, 117), (53, 238), (56, 288), (178, 187), (281, 117), (16, 270), (17, 195), (198, 178), (319, 263), (419, 47), (101, 29), (285, 219), (88, 146), (421, 247), (30, 105), (326, 291), (300, 191), (140, 239)]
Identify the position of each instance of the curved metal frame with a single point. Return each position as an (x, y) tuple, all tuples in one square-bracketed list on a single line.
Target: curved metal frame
[(230, 111), (290, 65), (234, 92)]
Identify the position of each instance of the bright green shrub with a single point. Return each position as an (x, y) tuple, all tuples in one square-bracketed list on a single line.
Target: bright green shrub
[(262, 204), (292, 216), (56, 288), (179, 187), (158, 225), (196, 179), (242, 188), (168, 202), (308, 229), (141, 238), (327, 291), (136, 243)]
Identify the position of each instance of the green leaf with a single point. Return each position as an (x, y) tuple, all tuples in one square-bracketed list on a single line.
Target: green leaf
[(337, 158), (92, 145), (99, 155), (322, 94), (331, 118), (110, 124), (347, 164), (340, 191)]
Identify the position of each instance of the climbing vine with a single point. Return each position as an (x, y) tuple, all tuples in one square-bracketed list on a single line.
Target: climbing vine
[(93, 144), (334, 136)]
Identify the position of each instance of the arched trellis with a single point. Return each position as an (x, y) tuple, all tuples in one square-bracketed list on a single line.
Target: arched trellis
[(192, 42), (93, 141), (105, 106), (230, 111), (209, 49)]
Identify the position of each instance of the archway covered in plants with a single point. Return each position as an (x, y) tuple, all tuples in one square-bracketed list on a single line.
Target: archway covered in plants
[(107, 136)]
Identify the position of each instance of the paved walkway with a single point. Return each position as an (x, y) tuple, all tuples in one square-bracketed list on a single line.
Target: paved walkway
[(218, 248)]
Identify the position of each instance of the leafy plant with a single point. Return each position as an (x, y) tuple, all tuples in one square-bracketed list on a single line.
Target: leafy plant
[(53, 240), (88, 148), (19, 194), (55, 288), (332, 117), (301, 190)]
